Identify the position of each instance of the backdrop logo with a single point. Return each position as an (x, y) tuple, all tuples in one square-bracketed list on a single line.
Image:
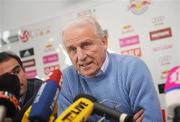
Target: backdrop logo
[(128, 41), (49, 47), (10, 39), (29, 63), (139, 6), (135, 52), (157, 21), (50, 58), (13, 38), (127, 28), (35, 33), (24, 35), (162, 48), (160, 34), (165, 60), (27, 52), (31, 73)]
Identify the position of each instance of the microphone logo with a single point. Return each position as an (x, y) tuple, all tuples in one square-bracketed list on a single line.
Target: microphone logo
[(173, 79), (78, 111)]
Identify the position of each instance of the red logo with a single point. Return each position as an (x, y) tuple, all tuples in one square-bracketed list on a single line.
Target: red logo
[(24, 36)]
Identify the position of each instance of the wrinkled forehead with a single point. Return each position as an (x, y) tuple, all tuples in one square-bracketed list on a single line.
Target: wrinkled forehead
[(79, 33)]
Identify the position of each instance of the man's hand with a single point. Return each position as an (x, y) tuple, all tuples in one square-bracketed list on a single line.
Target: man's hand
[(138, 117)]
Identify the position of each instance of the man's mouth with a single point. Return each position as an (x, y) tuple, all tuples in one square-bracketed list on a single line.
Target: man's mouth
[(85, 65)]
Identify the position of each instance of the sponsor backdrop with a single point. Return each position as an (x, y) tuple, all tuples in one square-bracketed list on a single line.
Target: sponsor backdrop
[(143, 28)]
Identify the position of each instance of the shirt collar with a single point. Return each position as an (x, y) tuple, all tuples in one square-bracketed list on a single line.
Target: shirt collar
[(104, 66)]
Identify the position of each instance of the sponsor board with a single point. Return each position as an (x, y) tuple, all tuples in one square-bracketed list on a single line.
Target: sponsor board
[(128, 41), (26, 52), (31, 73), (50, 58), (160, 34), (29, 63), (135, 52)]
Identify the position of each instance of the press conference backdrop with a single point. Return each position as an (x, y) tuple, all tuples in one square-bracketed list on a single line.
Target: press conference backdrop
[(148, 29)]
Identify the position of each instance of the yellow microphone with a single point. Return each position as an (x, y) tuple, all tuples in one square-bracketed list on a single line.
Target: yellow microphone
[(26, 115), (79, 111), (52, 117)]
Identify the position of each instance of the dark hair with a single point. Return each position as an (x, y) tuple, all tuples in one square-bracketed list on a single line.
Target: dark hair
[(5, 56)]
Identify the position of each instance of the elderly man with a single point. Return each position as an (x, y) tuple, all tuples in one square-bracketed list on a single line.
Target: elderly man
[(123, 81)]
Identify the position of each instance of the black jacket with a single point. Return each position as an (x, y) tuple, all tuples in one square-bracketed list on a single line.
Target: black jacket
[(33, 86)]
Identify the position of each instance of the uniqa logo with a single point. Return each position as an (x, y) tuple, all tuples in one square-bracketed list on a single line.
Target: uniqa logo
[(139, 6)]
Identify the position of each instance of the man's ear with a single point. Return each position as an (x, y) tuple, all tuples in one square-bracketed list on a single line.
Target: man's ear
[(105, 41)]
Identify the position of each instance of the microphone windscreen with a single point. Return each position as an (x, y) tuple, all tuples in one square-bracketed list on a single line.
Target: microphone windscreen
[(10, 83), (55, 76), (89, 97)]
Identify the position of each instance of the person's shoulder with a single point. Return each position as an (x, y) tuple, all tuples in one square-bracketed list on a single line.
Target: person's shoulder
[(34, 83), (69, 70), (125, 59), (35, 80)]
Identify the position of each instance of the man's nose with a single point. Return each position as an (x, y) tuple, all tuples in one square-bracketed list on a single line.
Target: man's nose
[(80, 54)]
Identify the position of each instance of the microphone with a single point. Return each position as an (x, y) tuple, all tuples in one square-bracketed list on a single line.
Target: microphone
[(9, 95), (172, 93), (79, 111), (46, 97), (106, 111), (25, 117)]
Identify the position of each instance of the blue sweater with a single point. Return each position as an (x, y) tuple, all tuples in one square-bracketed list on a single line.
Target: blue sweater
[(126, 85)]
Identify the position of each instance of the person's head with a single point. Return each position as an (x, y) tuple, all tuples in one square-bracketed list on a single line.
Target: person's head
[(11, 63), (86, 44)]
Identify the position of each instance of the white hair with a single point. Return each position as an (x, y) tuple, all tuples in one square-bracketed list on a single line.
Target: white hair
[(82, 21)]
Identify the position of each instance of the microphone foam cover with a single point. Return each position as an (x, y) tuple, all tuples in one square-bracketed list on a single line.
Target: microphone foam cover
[(56, 76), (10, 83)]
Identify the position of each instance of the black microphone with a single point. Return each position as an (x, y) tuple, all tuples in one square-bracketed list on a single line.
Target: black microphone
[(106, 111), (9, 95), (176, 114)]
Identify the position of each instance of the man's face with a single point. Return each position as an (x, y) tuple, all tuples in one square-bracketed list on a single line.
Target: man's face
[(86, 49), (13, 67)]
